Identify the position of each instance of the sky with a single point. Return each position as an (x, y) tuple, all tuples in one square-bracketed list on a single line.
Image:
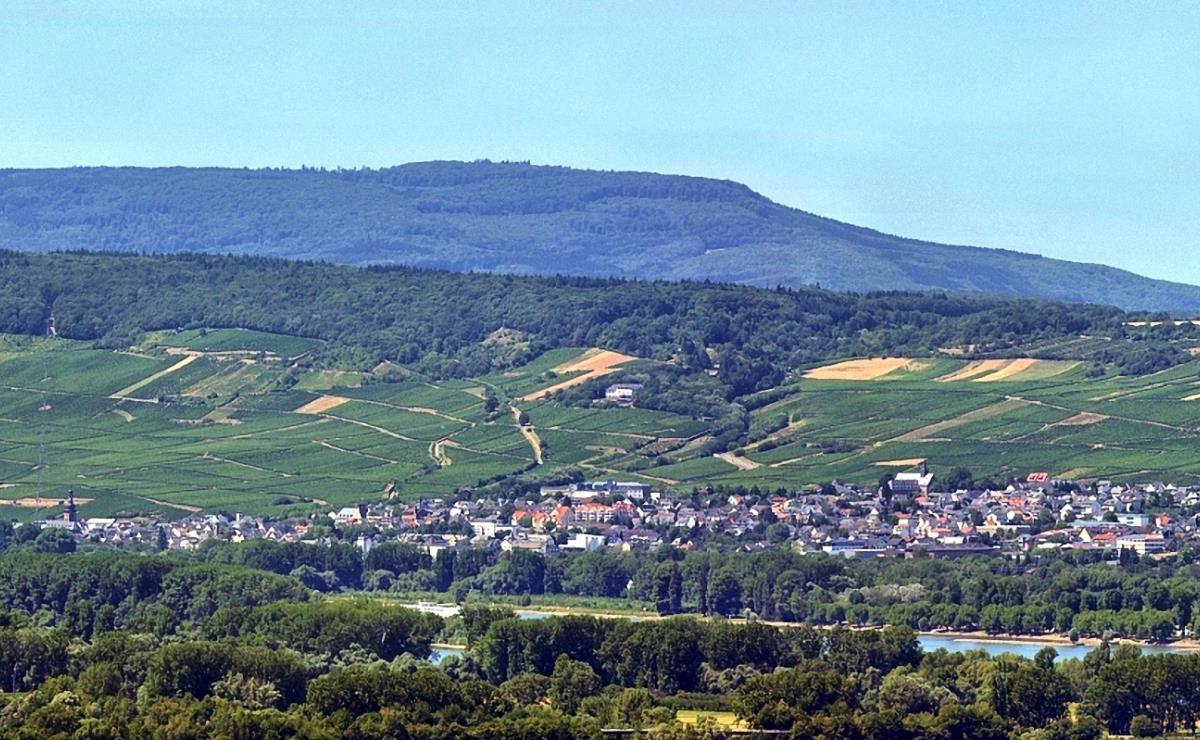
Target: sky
[(1069, 129)]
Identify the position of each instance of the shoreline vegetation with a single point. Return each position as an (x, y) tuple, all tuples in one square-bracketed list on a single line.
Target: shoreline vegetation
[(1051, 639)]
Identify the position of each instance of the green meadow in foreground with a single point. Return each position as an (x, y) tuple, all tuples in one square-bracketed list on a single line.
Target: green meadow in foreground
[(233, 420)]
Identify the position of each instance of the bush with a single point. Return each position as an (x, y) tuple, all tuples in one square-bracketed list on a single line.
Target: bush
[(1143, 726)]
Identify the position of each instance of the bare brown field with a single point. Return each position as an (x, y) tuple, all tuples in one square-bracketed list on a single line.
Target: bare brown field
[(322, 404), (595, 363), (33, 502), (870, 368), (1021, 368), (973, 370), (1010, 370)]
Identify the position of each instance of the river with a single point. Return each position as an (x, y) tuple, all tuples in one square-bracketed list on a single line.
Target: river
[(1023, 648), (928, 642), (951, 643)]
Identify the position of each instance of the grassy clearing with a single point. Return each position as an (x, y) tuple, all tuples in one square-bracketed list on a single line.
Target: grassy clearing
[(725, 720), (324, 380)]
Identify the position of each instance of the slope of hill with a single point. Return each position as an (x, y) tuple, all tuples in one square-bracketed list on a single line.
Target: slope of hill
[(248, 425), (445, 324), (512, 217), (175, 383)]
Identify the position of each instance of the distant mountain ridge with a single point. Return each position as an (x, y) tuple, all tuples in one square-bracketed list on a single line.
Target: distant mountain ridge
[(516, 217)]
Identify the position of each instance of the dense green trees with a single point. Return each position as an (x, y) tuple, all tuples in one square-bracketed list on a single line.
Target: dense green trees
[(350, 668), (171, 645), (329, 627), (436, 321), (1160, 688), (780, 700), (29, 656), (343, 561), (673, 655), (103, 591), (1143, 599)]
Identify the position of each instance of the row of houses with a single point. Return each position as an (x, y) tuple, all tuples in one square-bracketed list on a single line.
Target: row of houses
[(902, 519)]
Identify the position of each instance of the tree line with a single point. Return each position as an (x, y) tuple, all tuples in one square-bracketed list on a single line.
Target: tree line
[(1083, 595), (245, 657), (436, 322)]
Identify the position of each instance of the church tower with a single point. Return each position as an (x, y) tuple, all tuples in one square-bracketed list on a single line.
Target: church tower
[(70, 513)]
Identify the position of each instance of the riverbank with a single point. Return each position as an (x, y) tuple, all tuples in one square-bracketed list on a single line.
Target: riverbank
[(1055, 640), (1059, 640)]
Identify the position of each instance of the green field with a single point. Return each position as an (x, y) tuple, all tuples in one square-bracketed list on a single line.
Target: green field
[(225, 430), (1067, 425)]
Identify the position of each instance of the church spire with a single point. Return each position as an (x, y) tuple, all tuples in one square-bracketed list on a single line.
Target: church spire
[(70, 513)]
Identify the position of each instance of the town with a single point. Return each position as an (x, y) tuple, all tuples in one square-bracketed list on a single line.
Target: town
[(908, 515)]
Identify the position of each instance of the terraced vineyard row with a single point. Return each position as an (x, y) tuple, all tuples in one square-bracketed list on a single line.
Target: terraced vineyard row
[(234, 428), (211, 421)]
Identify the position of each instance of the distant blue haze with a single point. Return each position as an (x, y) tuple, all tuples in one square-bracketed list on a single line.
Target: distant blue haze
[(1066, 128)]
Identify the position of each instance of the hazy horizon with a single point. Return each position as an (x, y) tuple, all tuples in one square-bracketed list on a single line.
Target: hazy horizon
[(1067, 131)]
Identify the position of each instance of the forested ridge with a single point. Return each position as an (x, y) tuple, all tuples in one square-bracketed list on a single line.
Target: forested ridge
[(438, 322), (517, 218)]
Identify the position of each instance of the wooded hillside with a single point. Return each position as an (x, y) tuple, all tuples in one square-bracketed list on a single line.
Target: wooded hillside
[(513, 217)]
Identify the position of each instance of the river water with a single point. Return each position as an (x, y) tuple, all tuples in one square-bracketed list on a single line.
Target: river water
[(1022, 648), (929, 643)]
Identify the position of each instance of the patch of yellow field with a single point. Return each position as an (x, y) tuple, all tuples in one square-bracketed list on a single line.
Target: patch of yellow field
[(910, 463), (1028, 369), (722, 720), (1010, 370), (321, 404), (595, 363), (124, 414), (973, 370), (1021, 368), (871, 368), (1082, 419), (1193, 397)]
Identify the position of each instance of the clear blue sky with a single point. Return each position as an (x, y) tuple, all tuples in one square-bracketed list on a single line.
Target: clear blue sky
[(1070, 129)]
